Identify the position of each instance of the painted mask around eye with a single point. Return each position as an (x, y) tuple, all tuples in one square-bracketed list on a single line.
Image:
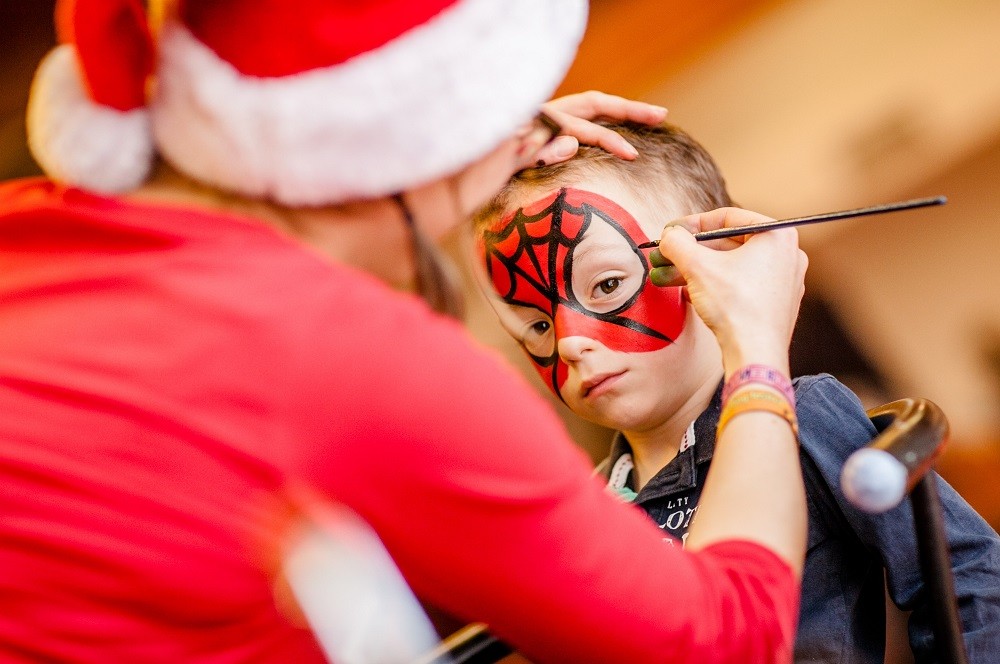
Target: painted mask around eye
[(539, 259)]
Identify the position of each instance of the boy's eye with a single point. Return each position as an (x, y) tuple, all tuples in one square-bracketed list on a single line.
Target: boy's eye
[(540, 327), (609, 286), (538, 338)]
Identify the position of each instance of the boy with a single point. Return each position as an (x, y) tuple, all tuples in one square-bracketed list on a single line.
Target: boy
[(561, 249)]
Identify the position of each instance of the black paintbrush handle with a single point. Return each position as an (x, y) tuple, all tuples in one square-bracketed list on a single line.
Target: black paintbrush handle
[(734, 231)]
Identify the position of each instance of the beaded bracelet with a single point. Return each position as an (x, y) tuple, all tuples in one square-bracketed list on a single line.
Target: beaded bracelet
[(757, 400), (759, 373)]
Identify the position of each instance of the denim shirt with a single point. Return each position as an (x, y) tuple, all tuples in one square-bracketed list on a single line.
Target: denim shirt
[(842, 612)]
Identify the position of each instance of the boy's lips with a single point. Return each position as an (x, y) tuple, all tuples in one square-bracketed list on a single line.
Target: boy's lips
[(599, 383)]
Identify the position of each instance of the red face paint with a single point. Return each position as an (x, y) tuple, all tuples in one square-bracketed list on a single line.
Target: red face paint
[(549, 258)]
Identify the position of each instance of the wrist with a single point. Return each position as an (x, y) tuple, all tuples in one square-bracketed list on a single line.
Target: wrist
[(757, 376), (757, 385), (735, 359), (758, 400)]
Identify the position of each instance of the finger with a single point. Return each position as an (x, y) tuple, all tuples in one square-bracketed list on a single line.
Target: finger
[(689, 224), (678, 246), (592, 104), (727, 217), (589, 133), (666, 276), (560, 149), (656, 259)]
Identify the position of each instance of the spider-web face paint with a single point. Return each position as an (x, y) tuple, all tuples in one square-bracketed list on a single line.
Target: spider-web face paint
[(570, 265)]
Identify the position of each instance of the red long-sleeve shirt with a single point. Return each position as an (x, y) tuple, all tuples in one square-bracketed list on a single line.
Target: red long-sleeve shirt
[(166, 375)]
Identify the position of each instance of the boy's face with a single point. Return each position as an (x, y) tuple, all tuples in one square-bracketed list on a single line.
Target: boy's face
[(602, 337)]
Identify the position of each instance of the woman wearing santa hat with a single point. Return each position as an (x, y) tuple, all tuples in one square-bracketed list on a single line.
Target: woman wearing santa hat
[(193, 339)]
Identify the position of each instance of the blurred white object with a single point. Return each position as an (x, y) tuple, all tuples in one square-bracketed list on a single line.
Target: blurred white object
[(874, 480), (353, 596)]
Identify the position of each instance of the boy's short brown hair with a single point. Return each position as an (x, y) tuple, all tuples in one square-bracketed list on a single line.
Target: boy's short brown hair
[(670, 163)]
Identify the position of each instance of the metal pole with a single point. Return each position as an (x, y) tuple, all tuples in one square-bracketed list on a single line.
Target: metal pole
[(935, 564)]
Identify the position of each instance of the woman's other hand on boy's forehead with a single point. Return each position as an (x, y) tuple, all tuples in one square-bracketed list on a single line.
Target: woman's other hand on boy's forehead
[(575, 113)]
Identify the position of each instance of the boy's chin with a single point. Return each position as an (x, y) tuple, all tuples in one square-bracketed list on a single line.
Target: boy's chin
[(616, 416)]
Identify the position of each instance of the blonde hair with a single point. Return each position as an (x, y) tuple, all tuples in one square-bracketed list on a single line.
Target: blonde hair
[(670, 164)]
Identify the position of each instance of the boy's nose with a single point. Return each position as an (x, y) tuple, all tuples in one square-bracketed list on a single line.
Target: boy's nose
[(572, 349), (574, 334)]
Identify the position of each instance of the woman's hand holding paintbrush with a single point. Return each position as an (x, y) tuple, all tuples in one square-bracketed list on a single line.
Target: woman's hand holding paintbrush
[(753, 317), (664, 274)]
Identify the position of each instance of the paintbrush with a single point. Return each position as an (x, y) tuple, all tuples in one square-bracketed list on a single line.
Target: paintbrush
[(734, 231)]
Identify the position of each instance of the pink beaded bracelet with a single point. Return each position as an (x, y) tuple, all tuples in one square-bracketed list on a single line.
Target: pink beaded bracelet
[(761, 374)]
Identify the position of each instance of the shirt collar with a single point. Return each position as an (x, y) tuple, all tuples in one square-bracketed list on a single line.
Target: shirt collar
[(681, 473)]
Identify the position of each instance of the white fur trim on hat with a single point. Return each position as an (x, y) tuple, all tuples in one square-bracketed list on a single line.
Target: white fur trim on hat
[(80, 142), (421, 107)]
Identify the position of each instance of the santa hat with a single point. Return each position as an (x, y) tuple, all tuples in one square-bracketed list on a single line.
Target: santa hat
[(306, 102)]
